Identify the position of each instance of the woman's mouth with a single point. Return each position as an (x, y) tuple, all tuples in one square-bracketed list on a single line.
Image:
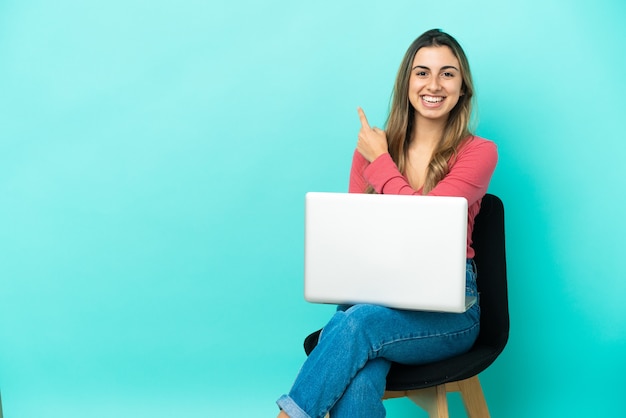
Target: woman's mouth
[(432, 99)]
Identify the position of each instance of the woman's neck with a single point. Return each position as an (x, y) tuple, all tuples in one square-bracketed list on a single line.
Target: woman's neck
[(427, 133)]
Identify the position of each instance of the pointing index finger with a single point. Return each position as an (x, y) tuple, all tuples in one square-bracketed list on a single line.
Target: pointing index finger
[(364, 123)]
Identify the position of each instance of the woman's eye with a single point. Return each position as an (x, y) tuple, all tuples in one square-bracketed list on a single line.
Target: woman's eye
[(421, 74), (448, 74)]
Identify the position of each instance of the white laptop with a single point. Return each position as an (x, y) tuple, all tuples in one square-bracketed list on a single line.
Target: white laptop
[(406, 252)]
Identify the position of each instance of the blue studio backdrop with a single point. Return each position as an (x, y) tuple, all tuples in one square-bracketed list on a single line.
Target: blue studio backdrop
[(154, 157)]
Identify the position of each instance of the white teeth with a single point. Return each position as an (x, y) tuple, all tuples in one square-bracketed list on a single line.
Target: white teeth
[(432, 99)]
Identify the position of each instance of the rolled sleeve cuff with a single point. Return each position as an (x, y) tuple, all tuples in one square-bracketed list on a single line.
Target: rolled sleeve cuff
[(290, 407)]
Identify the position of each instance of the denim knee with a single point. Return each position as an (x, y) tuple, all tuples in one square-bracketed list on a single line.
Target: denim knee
[(354, 325)]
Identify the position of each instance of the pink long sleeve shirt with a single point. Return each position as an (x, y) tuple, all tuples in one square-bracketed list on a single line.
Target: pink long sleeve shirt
[(468, 177)]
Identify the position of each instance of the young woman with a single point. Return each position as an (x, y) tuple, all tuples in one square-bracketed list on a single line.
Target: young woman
[(426, 149)]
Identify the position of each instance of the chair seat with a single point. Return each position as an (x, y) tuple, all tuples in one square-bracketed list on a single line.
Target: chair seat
[(403, 377)]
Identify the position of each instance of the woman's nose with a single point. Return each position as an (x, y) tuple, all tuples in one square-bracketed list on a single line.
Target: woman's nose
[(433, 84)]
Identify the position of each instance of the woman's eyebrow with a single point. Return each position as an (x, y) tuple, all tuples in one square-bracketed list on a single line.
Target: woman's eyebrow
[(445, 67)]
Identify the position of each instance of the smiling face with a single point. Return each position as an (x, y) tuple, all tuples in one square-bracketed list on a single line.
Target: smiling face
[(435, 83)]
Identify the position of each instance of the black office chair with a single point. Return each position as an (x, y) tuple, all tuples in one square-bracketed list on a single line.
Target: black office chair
[(428, 384)]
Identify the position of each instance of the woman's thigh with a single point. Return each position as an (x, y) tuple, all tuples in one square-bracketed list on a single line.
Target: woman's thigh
[(412, 337)]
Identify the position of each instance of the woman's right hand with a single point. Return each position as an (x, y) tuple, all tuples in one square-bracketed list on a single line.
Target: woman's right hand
[(372, 142)]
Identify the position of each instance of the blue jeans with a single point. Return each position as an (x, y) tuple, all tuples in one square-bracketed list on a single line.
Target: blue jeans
[(346, 373)]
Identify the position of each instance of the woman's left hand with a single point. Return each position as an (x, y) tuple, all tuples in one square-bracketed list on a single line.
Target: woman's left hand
[(372, 142)]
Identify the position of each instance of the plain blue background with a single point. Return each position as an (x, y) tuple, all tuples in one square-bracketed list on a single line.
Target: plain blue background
[(154, 157)]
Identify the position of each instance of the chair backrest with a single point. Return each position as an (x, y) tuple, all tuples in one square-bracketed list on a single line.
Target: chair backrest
[(490, 258)]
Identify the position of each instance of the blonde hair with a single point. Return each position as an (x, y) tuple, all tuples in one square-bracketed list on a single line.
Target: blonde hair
[(399, 126)]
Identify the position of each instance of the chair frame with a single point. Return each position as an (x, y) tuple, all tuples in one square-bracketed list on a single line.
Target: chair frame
[(434, 399)]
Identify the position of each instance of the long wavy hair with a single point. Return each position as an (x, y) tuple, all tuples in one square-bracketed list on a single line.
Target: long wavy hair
[(401, 120)]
